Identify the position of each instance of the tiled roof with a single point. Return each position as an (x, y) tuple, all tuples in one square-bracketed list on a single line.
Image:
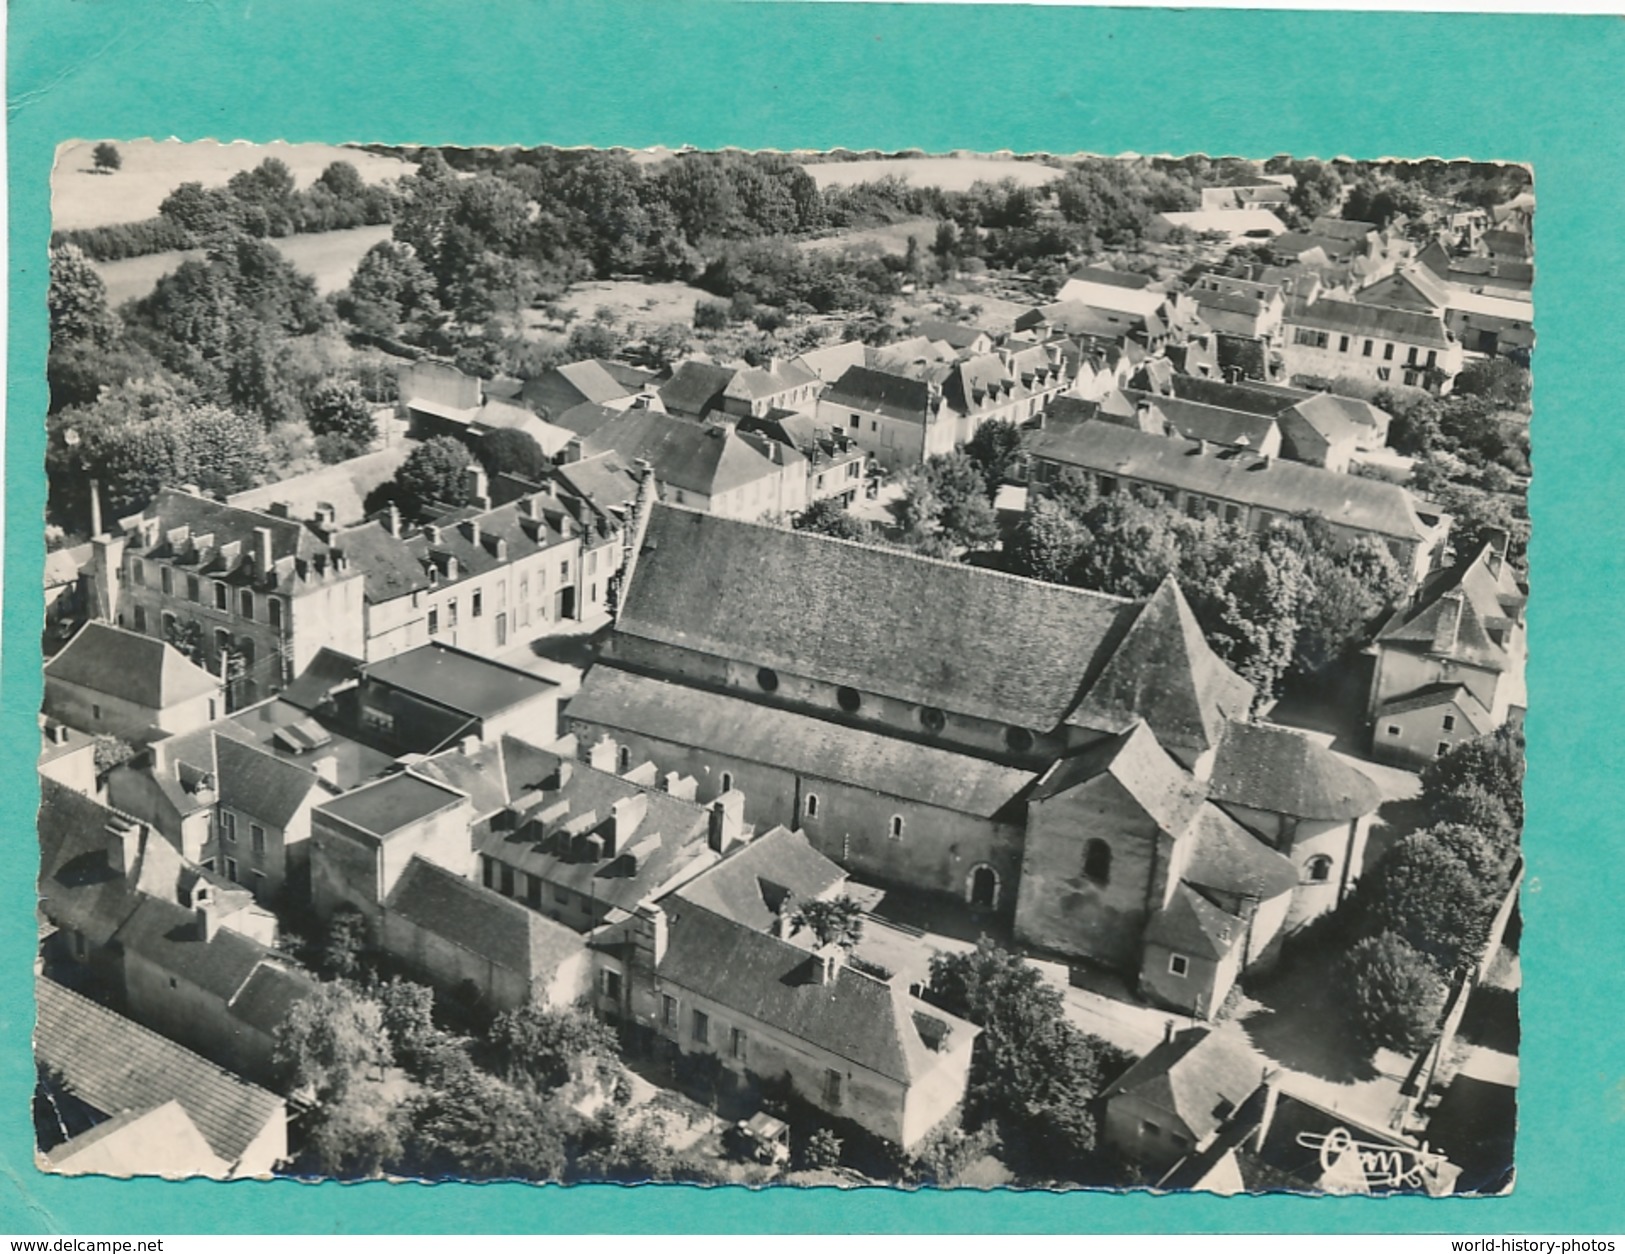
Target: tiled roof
[(1385, 509), (605, 479), (750, 885), (1333, 415), (875, 619), (954, 333), (1165, 673), (344, 486), (458, 680), (268, 996), (1201, 1075), (1410, 287), (771, 981), (1435, 695), (1227, 858), (1352, 318), (480, 921), (78, 887), (1137, 762), (796, 742), (877, 391), (1192, 924), (1196, 421), (696, 388), (755, 382), (115, 1065), (563, 387), (707, 459), (260, 785), (168, 936), (833, 360), (1071, 317), (159, 1141), (1343, 228), (142, 670), (1285, 772), (667, 836), (1266, 402), (1297, 243), (1113, 278)]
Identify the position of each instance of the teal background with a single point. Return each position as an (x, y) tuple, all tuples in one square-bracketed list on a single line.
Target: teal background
[(1544, 90)]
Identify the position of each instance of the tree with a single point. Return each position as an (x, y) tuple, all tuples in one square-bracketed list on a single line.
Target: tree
[(837, 921), (407, 1009), (668, 344), (110, 751), (947, 496), (475, 1127), (330, 1040), (1497, 380), (592, 339), (77, 301), (356, 1137), (543, 1047), (1031, 1070), (1047, 543), (821, 1151), (1397, 995), (828, 517), (344, 944), (1494, 762), (107, 158), (1425, 893), (340, 413), (391, 293), (434, 474), (513, 452), (996, 449), (186, 636)]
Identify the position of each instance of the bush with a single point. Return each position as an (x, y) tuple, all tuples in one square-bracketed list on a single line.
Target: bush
[(820, 1151), (710, 315), (513, 452), (1397, 994)]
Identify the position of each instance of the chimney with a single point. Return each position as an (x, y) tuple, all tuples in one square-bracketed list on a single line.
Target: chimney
[(124, 845), (279, 509), (262, 551), (468, 746), (604, 754), (432, 534), (726, 822), (207, 911), (567, 768), (479, 493), (652, 930), (1201, 448), (827, 963), (393, 521), (1168, 1032), (95, 507), (624, 817)]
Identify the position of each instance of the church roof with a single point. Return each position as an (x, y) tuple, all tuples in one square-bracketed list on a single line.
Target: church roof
[(1227, 858), (1143, 768), (1164, 672), (1192, 924), (933, 633), (1285, 772), (812, 747)]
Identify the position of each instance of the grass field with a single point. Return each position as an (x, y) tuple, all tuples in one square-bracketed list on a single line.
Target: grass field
[(883, 239), (642, 304), (954, 174), (328, 256), (154, 168)]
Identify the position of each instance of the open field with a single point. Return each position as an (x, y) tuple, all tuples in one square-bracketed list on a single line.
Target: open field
[(154, 168), (883, 239), (328, 256), (642, 304), (954, 174)]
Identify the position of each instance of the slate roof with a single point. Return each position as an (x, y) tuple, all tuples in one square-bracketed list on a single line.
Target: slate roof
[(751, 884), (1240, 396), (1343, 228), (1227, 858), (260, 785), (480, 921), (1197, 1075), (159, 1141), (1071, 317), (1297, 243), (707, 459), (458, 680), (1420, 282), (755, 383), (1354, 319), (1164, 672), (1335, 416), (142, 670), (1385, 509), (116, 1065), (833, 360), (78, 887), (876, 619), (167, 935), (268, 995), (880, 392), (797, 742), (770, 981), (1433, 696), (605, 479), (1285, 772), (1454, 612), (1197, 421), (325, 671), (954, 333), (1192, 924), (493, 774), (563, 387), (295, 549), (696, 388), (1113, 278), (1136, 761), (344, 486)]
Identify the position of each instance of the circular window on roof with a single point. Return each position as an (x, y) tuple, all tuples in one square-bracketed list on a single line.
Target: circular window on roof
[(767, 679), (848, 699), (932, 719), (1018, 738)]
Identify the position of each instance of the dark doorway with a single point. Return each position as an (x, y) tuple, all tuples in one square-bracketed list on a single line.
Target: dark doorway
[(984, 887)]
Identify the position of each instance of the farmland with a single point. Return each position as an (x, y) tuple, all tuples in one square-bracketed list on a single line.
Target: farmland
[(954, 174), (152, 169), (330, 257)]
